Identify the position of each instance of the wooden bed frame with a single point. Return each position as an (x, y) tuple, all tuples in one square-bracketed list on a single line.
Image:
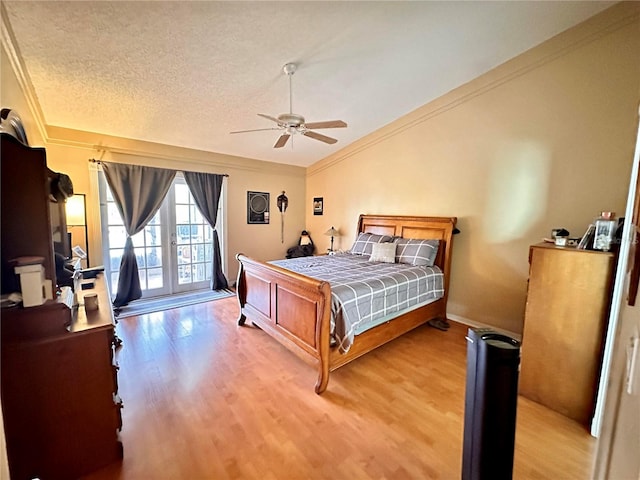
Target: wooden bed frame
[(296, 309)]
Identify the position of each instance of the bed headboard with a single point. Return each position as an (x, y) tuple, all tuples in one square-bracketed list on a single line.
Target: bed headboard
[(440, 228)]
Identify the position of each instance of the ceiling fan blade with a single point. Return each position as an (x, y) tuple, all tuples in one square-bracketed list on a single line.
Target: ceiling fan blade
[(282, 141), (269, 117), (327, 124), (318, 136), (256, 130)]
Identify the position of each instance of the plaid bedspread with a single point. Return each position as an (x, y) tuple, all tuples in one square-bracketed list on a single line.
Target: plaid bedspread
[(365, 293)]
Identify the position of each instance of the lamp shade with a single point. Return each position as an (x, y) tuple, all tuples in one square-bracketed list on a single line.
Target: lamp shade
[(75, 210), (332, 232)]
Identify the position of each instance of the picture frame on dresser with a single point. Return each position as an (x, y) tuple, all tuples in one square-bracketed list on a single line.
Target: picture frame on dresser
[(587, 239)]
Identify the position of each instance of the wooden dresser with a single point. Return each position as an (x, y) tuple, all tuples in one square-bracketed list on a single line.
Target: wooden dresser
[(565, 322), (59, 388)]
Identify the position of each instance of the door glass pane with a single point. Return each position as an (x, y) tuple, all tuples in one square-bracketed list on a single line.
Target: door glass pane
[(196, 216), (140, 257), (113, 213), (117, 237), (142, 274), (182, 214), (184, 274), (183, 254), (152, 235), (154, 278), (115, 255), (154, 257), (199, 272), (114, 280), (183, 234), (182, 192)]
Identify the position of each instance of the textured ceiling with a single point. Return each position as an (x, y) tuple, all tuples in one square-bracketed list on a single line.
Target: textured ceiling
[(187, 73)]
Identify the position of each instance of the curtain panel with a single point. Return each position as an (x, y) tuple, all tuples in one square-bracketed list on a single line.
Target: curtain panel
[(206, 189), (138, 193)]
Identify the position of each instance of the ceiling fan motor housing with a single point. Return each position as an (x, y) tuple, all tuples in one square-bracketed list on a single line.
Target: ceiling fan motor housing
[(289, 68), (291, 119)]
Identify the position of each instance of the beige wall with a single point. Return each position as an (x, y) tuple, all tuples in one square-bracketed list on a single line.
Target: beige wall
[(543, 141), (68, 151)]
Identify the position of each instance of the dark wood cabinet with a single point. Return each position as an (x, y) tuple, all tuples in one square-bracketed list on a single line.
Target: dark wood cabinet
[(59, 389), (24, 209), (58, 373)]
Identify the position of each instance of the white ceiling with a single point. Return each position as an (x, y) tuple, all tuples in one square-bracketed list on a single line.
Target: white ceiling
[(187, 73)]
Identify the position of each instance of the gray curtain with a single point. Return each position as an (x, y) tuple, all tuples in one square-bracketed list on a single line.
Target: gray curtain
[(206, 189), (138, 192)]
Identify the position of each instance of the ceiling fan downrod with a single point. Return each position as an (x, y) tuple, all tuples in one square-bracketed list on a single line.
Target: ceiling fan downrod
[(290, 69)]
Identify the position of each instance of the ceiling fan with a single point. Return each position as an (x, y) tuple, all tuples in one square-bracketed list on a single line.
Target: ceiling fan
[(292, 123)]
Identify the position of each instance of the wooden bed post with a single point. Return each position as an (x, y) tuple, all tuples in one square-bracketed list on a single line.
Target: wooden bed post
[(323, 338), (241, 292)]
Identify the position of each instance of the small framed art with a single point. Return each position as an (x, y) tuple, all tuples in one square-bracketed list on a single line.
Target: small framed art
[(318, 205), (257, 207)]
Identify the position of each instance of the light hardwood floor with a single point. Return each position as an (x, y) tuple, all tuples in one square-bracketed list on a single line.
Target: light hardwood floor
[(206, 399)]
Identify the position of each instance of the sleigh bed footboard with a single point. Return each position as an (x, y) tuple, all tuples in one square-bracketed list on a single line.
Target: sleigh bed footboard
[(292, 308)]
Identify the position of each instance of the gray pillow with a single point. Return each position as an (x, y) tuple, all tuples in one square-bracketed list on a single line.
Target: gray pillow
[(383, 252), (364, 243), (416, 252)]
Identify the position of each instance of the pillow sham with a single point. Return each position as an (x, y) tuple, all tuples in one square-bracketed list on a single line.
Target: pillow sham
[(383, 252), (416, 252), (365, 241)]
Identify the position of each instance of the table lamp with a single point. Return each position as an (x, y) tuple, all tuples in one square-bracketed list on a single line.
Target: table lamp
[(332, 232)]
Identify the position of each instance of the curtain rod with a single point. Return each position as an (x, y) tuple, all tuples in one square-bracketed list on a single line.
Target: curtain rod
[(99, 162)]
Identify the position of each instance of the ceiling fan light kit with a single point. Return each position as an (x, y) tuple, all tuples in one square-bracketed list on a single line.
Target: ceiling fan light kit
[(292, 123)]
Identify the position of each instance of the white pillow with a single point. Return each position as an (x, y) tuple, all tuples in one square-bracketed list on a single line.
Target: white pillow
[(383, 252)]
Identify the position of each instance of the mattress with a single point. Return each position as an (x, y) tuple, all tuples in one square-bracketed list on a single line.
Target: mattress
[(365, 294)]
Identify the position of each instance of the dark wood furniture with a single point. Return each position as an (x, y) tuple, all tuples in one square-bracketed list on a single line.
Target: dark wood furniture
[(296, 309), (24, 209), (565, 322), (58, 375), (59, 388)]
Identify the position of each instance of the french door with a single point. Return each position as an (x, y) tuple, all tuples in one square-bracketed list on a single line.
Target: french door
[(174, 251)]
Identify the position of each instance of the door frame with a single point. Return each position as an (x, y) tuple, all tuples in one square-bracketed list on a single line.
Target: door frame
[(608, 415)]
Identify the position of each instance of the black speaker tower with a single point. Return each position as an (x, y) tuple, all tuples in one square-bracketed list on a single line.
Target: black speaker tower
[(490, 405)]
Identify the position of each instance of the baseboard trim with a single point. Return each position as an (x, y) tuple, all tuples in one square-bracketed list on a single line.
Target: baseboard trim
[(474, 324)]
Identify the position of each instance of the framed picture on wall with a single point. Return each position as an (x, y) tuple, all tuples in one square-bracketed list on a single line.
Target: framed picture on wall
[(257, 207), (317, 205)]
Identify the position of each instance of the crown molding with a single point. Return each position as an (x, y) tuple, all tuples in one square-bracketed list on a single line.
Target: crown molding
[(15, 59), (140, 152)]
